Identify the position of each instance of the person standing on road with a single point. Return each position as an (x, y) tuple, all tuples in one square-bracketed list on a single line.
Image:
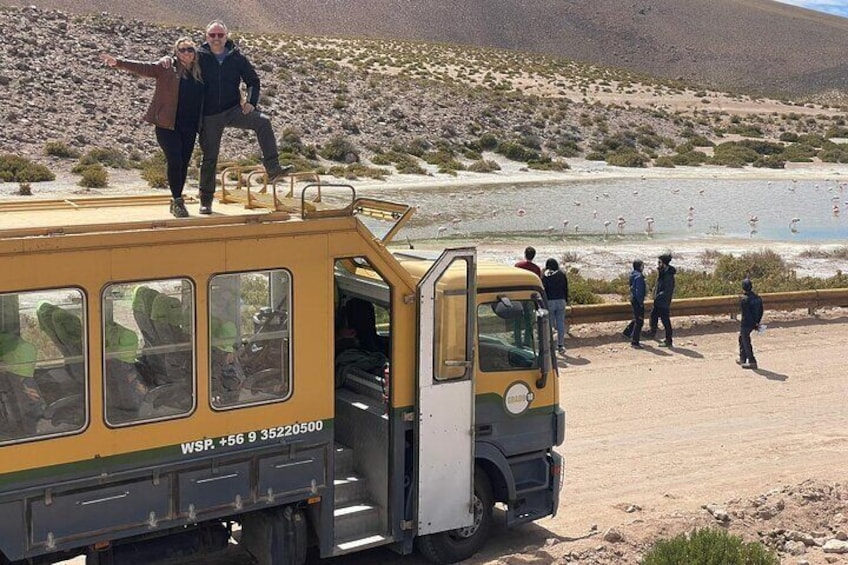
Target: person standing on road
[(174, 110), (637, 303), (224, 68), (751, 306), (663, 293), (556, 290), (527, 263)]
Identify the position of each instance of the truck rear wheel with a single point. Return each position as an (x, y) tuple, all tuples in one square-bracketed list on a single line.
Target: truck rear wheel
[(457, 545)]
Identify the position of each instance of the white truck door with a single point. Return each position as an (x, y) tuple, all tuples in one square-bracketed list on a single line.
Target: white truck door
[(446, 329)]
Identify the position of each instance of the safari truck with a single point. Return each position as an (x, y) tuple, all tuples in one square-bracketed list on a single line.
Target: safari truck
[(272, 374)]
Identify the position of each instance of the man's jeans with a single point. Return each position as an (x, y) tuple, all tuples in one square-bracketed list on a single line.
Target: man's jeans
[(746, 349), (210, 141)]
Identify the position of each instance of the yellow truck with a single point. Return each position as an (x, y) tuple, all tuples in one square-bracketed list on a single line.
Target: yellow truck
[(273, 374)]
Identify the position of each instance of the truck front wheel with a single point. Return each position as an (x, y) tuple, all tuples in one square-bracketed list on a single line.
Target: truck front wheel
[(462, 543)]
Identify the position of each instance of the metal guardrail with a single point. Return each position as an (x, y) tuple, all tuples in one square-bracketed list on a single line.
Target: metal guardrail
[(811, 300)]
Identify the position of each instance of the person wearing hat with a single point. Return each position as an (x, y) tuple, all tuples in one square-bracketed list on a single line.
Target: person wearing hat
[(663, 293), (751, 306)]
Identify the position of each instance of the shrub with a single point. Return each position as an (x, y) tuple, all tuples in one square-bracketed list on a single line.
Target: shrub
[(488, 142), (339, 149), (545, 163), (61, 149), (94, 176), (708, 546), (770, 162), (516, 152), (627, 158), (580, 290), (689, 158), (14, 168), (788, 136), (111, 157), (25, 189), (484, 166), (664, 161), (154, 171)]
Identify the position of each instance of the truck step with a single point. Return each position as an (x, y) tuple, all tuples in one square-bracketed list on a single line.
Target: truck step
[(349, 490), (344, 460), (356, 521), (358, 544)]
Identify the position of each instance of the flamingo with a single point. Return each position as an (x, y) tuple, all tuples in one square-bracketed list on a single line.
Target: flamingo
[(620, 225), (793, 225), (441, 231), (521, 212), (649, 225)]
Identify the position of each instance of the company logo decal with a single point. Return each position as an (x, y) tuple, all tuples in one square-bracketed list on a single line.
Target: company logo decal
[(518, 397)]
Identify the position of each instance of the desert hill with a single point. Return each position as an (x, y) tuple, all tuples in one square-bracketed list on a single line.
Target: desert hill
[(379, 103), (756, 45)]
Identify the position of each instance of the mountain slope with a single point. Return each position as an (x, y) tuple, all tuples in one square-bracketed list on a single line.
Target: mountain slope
[(757, 45)]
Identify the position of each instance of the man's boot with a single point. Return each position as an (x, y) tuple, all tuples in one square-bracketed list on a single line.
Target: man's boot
[(178, 209), (206, 203)]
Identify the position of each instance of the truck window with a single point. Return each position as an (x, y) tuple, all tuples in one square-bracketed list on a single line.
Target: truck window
[(148, 350), (43, 368), (507, 340), (450, 339), (250, 354)]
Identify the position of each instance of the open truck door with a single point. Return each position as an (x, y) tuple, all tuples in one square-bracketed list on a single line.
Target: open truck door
[(446, 319)]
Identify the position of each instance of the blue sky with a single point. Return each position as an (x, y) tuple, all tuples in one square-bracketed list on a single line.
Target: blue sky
[(836, 7)]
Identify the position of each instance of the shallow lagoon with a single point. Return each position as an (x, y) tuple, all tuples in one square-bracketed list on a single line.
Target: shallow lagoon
[(681, 209)]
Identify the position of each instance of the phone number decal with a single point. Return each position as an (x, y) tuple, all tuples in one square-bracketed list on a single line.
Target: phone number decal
[(247, 438)]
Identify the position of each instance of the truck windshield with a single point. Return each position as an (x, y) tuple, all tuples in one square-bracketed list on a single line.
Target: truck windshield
[(507, 342)]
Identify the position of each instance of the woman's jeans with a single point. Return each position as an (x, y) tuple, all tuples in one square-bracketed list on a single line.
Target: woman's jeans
[(557, 309)]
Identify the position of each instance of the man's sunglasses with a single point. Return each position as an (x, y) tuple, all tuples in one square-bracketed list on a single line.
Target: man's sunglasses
[(216, 35), (186, 49)]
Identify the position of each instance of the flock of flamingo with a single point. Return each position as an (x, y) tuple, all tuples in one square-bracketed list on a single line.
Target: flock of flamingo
[(621, 222)]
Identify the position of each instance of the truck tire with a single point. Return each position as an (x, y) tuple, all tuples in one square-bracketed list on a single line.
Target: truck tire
[(460, 544)]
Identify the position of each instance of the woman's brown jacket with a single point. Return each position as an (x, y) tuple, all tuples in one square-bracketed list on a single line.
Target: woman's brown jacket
[(163, 108)]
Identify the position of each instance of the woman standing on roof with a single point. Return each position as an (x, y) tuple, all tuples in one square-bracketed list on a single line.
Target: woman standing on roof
[(175, 110)]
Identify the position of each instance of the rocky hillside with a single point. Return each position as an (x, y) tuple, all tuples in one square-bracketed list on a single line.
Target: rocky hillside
[(758, 45), (355, 99)]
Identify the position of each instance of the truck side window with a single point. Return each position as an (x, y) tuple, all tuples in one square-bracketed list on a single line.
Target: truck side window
[(148, 351), (507, 341), (43, 369), (250, 345)]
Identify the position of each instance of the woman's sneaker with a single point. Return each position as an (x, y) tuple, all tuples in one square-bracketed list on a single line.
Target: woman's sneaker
[(178, 209)]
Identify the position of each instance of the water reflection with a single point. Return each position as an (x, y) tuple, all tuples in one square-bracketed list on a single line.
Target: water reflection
[(788, 210)]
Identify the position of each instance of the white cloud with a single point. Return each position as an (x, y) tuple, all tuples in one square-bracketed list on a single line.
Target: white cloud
[(835, 7)]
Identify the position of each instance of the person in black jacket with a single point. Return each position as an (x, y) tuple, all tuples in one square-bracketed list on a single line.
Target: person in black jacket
[(556, 290), (637, 303), (751, 306), (224, 68), (663, 293)]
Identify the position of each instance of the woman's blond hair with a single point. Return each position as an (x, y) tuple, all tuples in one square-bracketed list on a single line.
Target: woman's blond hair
[(194, 68)]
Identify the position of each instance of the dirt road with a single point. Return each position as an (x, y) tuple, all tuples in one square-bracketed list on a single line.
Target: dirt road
[(666, 431), (669, 431)]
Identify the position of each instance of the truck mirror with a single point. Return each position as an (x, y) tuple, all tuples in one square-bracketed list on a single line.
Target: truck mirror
[(543, 334)]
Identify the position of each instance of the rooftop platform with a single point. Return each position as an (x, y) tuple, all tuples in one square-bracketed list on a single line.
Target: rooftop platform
[(237, 204)]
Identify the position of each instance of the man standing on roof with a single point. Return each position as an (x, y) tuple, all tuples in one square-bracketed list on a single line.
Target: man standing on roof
[(224, 68)]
